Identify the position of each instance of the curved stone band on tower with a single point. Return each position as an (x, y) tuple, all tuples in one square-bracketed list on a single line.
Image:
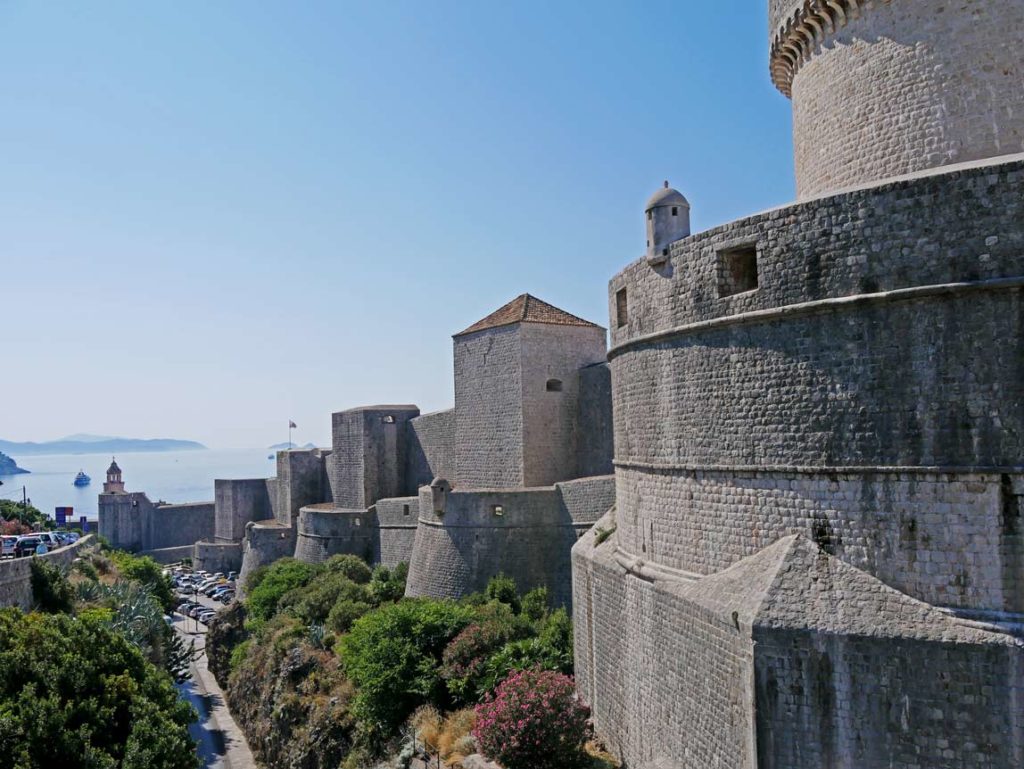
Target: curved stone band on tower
[(884, 88)]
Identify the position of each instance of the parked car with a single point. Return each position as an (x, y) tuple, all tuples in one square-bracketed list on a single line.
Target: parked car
[(232, 576), (227, 596), (26, 545), (50, 539), (9, 543)]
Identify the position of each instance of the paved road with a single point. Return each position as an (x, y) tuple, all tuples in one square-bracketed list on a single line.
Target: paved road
[(221, 743)]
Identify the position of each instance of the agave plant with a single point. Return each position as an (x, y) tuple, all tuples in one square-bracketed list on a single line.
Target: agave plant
[(138, 616)]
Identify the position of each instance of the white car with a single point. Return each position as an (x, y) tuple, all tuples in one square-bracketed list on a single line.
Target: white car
[(51, 540), (9, 541)]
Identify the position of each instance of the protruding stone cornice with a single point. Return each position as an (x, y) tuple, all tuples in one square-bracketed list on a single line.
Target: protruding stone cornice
[(804, 30)]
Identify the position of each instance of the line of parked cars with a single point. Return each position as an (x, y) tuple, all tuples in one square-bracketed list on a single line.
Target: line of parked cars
[(218, 586), (12, 546)]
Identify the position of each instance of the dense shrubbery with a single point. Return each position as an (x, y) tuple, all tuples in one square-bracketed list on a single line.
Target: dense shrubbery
[(18, 518), (268, 585), (466, 658), (51, 590), (330, 657), (534, 720), (148, 573), (75, 694), (393, 657)]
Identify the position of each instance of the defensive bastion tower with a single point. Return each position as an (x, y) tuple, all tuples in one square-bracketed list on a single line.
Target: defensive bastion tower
[(889, 87), (816, 557)]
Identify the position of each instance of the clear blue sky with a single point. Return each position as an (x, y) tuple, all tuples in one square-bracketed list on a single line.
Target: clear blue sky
[(216, 216)]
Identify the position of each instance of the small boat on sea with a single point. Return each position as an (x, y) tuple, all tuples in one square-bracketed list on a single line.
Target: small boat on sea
[(82, 479)]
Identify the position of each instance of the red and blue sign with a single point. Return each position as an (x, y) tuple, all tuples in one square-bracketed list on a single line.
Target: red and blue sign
[(63, 515)]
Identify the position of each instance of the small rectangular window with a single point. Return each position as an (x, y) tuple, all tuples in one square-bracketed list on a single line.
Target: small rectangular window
[(621, 308), (554, 386), (498, 510), (405, 509), (737, 270)]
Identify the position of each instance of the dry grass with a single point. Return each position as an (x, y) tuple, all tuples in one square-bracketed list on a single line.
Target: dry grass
[(448, 736), (427, 722), (600, 757)]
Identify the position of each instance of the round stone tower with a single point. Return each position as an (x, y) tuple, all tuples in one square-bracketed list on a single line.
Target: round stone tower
[(668, 220), (883, 88)]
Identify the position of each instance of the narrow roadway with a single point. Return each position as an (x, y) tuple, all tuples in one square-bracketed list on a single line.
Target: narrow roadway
[(221, 743)]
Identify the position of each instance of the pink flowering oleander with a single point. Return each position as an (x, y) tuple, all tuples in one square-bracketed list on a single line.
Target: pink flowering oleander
[(533, 720)]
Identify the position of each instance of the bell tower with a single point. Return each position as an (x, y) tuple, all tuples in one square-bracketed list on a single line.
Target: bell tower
[(113, 484)]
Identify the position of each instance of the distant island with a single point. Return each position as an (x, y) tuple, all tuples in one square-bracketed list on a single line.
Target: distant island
[(8, 466), (83, 443), (287, 446)]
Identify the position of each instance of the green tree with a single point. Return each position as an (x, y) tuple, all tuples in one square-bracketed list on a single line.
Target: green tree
[(503, 589), (148, 573), (393, 656), (280, 577), (75, 694), (12, 510)]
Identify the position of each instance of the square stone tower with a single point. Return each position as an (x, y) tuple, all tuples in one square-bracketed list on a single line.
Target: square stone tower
[(368, 457), (516, 394)]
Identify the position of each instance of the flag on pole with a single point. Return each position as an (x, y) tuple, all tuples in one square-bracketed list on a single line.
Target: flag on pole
[(291, 425)]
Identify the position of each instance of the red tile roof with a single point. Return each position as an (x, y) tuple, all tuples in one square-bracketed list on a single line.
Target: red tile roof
[(527, 309)]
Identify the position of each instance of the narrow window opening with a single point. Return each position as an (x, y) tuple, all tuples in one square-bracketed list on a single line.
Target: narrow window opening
[(357, 522), (737, 270), (664, 252), (554, 386), (675, 211), (405, 509), (389, 420), (621, 308), (498, 510)]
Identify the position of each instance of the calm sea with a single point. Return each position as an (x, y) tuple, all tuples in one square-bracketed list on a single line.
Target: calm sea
[(173, 476)]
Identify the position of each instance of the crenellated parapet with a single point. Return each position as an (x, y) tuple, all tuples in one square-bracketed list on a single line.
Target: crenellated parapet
[(799, 27), (887, 88)]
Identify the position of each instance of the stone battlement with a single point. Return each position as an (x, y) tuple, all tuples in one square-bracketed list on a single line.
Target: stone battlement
[(882, 88)]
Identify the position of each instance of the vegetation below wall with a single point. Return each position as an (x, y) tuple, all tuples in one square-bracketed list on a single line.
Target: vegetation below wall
[(16, 518), (87, 678), (328, 665)]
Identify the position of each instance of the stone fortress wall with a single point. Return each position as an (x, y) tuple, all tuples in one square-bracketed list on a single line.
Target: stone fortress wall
[(130, 520), (16, 573), (431, 452), (172, 526), (525, 533), (816, 554), (532, 412), (850, 384), (952, 79), (365, 495)]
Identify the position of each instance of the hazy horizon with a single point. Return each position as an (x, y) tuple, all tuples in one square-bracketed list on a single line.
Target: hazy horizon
[(219, 217)]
